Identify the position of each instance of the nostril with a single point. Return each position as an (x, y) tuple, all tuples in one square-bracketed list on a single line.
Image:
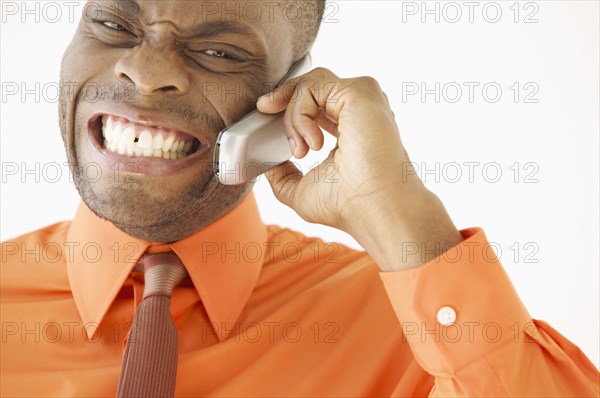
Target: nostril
[(168, 88), (146, 85), (125, 78)]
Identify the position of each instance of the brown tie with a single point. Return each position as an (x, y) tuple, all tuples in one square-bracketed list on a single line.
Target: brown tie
[(150, 359)]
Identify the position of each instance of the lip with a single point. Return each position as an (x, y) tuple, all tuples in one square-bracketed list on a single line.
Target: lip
[(151, 166)]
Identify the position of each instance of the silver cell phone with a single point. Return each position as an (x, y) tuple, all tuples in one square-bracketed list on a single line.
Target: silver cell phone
[(256, 143)]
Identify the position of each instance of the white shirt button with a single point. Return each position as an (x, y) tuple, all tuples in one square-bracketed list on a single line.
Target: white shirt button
[(446, 316)]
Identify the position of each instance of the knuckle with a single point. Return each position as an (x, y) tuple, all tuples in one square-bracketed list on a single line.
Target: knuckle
[(368, 82), (322, 72), (304, 82), (303, 88)]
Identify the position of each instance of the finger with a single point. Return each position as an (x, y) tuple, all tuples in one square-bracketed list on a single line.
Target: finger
[(284, 181), (268, 103), (298, 145), (327, 124), (304, 113), (301, 97), (278, 99)]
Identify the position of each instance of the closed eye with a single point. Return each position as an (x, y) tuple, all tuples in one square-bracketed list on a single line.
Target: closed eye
[(217, 53), (114, 32), (114, 26)]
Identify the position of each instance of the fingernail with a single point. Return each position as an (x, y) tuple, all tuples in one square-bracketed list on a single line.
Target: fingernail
[(292, 144)]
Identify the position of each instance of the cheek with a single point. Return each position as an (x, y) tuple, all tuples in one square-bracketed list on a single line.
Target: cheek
[(230, 96), (84, 59)]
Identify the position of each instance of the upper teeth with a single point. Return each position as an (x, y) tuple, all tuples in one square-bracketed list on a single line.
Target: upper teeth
[(120, 136)]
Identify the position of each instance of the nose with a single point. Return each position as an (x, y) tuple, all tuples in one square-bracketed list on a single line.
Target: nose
[(153, 71)]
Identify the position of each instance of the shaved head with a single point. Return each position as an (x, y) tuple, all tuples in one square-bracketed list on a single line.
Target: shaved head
[(309, 14)]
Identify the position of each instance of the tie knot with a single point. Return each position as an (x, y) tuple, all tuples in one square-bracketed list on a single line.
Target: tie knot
[(162, 272)]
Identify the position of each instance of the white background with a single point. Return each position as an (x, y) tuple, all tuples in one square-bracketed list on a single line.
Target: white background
[(553, 220)]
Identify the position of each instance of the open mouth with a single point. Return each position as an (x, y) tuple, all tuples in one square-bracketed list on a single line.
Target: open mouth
[(124, 137)]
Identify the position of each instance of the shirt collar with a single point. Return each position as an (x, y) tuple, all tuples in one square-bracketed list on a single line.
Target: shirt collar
[(223, 260)]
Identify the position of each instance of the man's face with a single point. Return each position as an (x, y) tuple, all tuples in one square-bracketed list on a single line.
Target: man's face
[(151, 85)]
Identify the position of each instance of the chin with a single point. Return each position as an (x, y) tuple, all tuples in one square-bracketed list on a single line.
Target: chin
[(157, 214)]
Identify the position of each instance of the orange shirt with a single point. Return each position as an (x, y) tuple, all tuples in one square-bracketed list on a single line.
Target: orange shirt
[(270, 312)]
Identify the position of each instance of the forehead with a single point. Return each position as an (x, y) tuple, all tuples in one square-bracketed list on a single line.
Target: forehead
[(260, 16)]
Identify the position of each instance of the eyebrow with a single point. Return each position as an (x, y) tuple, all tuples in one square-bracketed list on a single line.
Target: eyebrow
[(204, 30), (218, 28), (129, 7), (127, 2)]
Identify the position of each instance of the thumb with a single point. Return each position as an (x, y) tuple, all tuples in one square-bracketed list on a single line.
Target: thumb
[(284, 180)]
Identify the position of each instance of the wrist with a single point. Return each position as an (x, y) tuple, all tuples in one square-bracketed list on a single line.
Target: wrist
[(402, 231)]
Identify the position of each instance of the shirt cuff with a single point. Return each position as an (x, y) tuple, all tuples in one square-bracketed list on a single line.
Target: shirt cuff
[(458, 306)]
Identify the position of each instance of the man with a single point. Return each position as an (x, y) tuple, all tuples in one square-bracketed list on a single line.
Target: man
[(264, 311)]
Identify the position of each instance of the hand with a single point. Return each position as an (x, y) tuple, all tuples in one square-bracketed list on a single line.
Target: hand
[(362, 187)]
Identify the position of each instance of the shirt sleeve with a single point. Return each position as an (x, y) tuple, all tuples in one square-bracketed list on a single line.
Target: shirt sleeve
[(467, 327)]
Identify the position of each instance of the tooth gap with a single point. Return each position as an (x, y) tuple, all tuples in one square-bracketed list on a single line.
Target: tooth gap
[(117, 147)]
